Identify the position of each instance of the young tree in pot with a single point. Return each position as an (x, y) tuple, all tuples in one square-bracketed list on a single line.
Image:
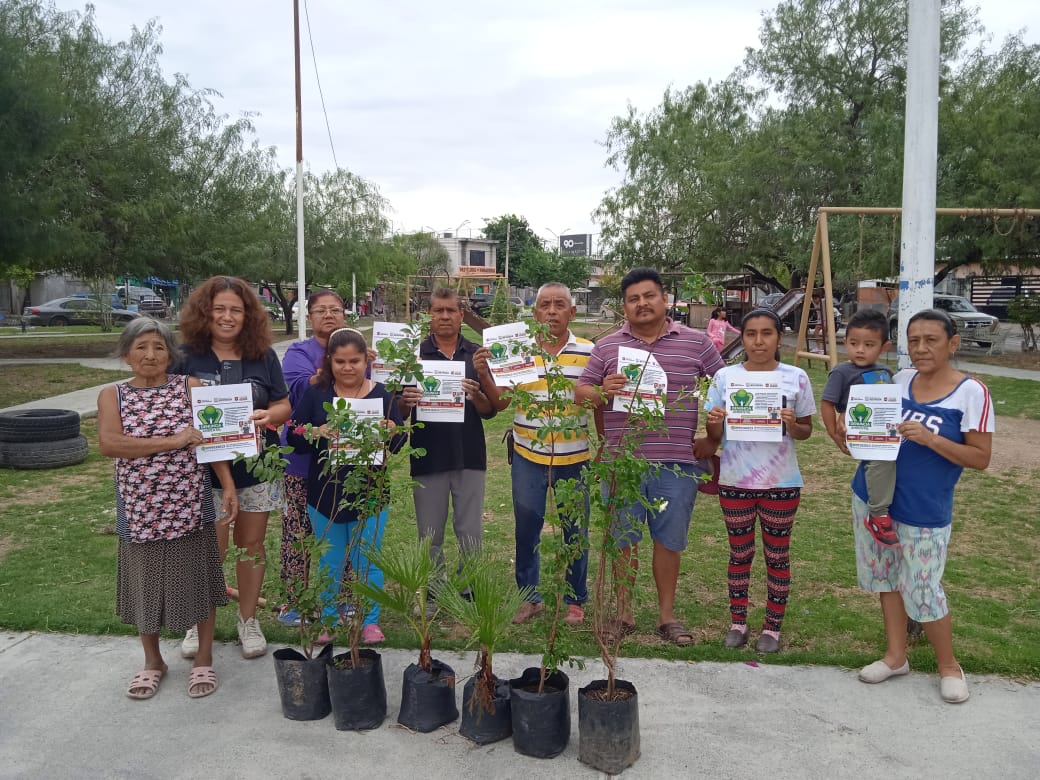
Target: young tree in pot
[(302, 683), (608, 714), (487, 612), (354, 431), (541, 695), (428, 690)]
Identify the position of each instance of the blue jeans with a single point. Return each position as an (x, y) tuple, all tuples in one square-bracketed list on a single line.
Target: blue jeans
[(530, 485), (340, 536)]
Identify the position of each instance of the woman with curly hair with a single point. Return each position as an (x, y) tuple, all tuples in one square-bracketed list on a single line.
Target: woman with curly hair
[(226, 334)]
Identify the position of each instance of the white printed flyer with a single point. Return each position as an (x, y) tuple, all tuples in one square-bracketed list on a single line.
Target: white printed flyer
[(646, 382), (443, 399), (223, 414), (395, 331), (345, 448), (512, 354), (871, 418), (753, 408)]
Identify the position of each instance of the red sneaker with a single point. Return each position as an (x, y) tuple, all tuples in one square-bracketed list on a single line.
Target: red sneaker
[(880, 527)]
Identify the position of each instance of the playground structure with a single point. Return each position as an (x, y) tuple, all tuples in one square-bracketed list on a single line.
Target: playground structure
[(820, 262)]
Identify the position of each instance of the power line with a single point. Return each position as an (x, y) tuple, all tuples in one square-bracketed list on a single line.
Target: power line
[(321, 95)]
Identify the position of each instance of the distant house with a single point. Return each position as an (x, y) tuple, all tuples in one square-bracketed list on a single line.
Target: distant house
[(469, 256)]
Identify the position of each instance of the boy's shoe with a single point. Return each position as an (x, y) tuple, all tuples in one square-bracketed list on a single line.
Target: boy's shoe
[(880, 527), (190, 645), (251, 637)]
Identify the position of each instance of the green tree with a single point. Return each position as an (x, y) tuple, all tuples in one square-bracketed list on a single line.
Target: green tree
[(522, 242), (728, 175)]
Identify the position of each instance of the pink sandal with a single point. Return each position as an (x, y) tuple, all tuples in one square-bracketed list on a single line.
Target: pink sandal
[(204, 677), (372, 634), (145, 683)]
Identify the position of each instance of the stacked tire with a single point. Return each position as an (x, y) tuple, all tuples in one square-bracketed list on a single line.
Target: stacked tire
[(41, 439)]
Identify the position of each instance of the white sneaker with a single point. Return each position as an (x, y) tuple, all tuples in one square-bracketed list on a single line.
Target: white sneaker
[(251, 637), (190, 645)]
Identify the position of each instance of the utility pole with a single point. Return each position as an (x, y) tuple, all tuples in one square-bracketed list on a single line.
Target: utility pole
[(508, 226), (920, 150), (301, 282)]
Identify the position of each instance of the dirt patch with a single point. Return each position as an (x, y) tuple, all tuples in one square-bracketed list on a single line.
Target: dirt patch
[(6, 545), (1014, 445)]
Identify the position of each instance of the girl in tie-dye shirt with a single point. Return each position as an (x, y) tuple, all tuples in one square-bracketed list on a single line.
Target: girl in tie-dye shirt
[(760, 480)]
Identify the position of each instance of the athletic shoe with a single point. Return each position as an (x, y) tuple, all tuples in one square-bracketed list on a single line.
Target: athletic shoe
[(190, 645), (880, 527), (372, 634), (289, 617), (251, 637)]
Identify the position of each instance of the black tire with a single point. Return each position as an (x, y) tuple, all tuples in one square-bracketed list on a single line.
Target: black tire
[(34, 425), (58, 322), (43, 455)]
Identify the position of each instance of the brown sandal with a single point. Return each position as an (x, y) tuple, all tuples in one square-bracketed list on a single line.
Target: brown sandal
[(676, 633)]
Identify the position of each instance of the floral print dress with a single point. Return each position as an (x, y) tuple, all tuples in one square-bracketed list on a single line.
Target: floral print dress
[(166, 495)]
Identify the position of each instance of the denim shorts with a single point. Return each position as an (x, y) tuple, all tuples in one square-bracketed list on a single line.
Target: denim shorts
[(914, 569), (673, 488)]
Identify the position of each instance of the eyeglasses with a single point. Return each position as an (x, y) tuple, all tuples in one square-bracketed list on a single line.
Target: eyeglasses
[(321, 311)]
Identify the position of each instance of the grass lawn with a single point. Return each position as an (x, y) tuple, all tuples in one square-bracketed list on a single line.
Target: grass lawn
[(57, 563)]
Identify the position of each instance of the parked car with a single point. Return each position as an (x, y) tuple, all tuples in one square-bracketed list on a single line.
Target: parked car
[(112, 299), (481, 302), (963, 313), (792, 319), (146, 300), (74, 311)]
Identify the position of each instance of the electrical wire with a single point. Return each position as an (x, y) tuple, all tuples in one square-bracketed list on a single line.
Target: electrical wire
[(321, 95)]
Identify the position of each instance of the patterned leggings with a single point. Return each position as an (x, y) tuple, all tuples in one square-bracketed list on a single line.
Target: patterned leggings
[(297, 524), (775, 508)]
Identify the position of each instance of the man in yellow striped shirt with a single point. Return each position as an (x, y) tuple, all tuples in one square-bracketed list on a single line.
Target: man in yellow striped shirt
[(559, 455)]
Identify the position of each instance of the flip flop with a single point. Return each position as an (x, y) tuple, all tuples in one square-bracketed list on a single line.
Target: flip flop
[(202, 676), (145, 683), (676, 633)]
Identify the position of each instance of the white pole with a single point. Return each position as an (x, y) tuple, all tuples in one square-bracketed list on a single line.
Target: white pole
[(301, 270), (353, 293), (920, 149)]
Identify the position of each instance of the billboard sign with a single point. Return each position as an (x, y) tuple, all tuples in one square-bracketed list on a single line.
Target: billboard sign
[(576, 245)]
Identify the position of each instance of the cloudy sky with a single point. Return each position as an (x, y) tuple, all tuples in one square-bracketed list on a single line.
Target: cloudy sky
[(467, 109)]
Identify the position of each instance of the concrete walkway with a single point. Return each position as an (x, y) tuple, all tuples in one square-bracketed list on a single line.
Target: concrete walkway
[(64, 714)]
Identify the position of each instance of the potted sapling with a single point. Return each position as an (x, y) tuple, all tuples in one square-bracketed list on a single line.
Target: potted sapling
[(540, 697), (428, 686), (352, 427), (487, 611)]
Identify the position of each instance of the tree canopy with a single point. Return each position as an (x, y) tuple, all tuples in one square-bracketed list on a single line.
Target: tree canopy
[(111, 168), (728, 175)]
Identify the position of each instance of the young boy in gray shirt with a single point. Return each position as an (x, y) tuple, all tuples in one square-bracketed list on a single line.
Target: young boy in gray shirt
[(866, 337)]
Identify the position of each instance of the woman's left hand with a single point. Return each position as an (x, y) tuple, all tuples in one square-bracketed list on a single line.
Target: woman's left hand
[(228, 508)]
